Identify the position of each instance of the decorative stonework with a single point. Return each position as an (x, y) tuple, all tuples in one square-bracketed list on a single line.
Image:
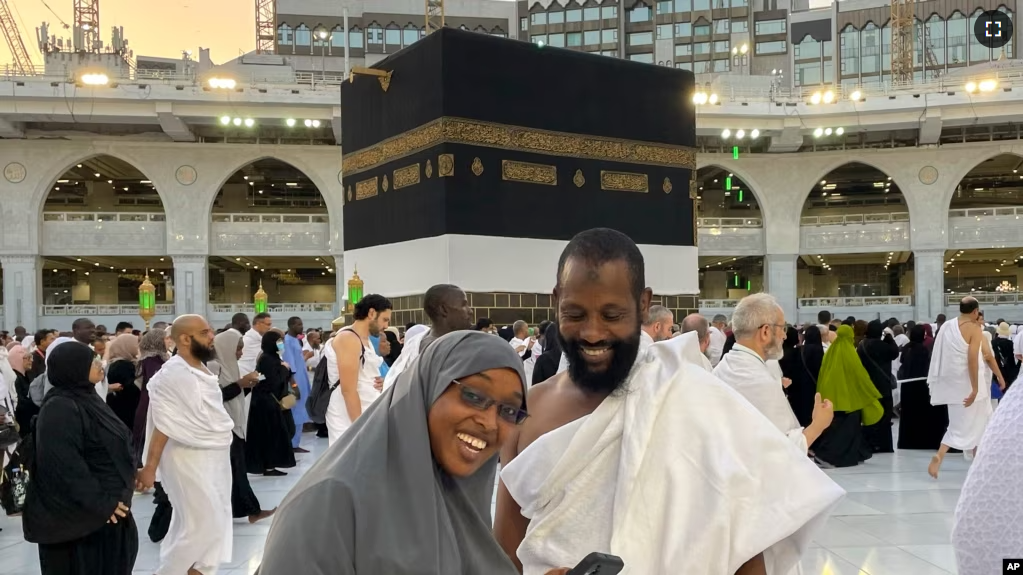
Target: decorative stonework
[(928, 175), (528, 172), (186, 175), (623, 181), (15, 172)]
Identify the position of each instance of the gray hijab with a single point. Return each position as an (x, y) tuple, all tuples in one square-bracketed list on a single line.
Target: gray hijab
[(378, 499)]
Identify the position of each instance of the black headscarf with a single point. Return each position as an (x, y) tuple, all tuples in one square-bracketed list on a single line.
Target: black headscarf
[(729, 342), (506, 333), (813, 351), (550, 340), (791, 339), (396, 347), (874, 329), (916, 335), (269, 342)]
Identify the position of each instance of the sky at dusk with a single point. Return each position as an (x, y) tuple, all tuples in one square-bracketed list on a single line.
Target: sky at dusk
[(152, 27)]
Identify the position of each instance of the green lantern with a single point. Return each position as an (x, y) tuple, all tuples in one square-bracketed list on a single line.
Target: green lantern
[(259, 299), (354, 290), (147, 300)]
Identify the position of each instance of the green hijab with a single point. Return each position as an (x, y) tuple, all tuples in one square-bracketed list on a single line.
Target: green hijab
[(845, 381)]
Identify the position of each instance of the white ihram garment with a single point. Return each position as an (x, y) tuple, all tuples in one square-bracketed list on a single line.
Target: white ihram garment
[(409, 352), (949, 382), (338, 420), (760, 383), (186, 404), (717, 345), (733, 486), (529, 363)]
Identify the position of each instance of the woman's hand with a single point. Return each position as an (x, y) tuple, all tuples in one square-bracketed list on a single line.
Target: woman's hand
[(121, 511), (115, 388)]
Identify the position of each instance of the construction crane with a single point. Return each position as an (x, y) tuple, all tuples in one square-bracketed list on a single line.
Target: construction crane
[(902, 24), (22, 64), (87, 26), (434, 15), (266, 26)]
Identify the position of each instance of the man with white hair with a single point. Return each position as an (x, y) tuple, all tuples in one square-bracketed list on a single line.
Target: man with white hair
[(759, 327), (697, 323), (717, 338), (657, 326)]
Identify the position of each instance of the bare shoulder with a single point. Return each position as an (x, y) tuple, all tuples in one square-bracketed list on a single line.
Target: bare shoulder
[(546, 410), (970, 331)]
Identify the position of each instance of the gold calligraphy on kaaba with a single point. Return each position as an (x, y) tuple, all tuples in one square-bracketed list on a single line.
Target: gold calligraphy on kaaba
[(406, 176), (623, 181), (528, 172), (366, 188), (516, 138), (445, 165)]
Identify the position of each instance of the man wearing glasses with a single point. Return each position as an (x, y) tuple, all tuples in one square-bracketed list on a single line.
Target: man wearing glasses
[(759, 327)]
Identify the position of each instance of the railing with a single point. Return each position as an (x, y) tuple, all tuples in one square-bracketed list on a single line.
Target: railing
[(729, 303), (978, 212), (254, 80), (844, 219), (856, 301), (103, 217), (953, 298), (729, 223), (272, 308), (102, 310), (272, 218)]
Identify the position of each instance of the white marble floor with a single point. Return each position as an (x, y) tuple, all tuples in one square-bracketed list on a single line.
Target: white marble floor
[(894, 520)]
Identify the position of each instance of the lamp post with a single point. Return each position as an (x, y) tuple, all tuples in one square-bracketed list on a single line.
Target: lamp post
[(355, 286), (322, 35), (259, 299), (147, 300)]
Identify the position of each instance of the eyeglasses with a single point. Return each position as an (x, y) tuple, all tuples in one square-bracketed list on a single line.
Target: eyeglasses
[(480, 401)]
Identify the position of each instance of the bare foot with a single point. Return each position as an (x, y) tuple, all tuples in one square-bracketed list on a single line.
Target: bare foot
[(262, 515), (934, 466)]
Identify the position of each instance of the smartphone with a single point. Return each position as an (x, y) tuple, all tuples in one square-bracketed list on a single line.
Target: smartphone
[(531, 331), (597, 563)]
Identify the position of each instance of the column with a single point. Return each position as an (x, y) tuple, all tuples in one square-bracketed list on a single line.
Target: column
[(928, 284), (191, 285), (780, 282), (22, 283), (340, 284)]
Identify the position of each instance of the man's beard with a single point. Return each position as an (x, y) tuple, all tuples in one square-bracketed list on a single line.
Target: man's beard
[(201, 352), (623, 356), (775, 350)]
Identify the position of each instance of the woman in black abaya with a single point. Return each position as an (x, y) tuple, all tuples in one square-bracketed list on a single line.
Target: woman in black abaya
[(921, 426), (267, 437), (77, 506), (877, 354), (804, 379)]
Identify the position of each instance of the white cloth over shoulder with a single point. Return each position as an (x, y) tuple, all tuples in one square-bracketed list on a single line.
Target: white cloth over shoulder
[(409, 353), (760, 383), (251, 346), (186, 404), (338, 420), (717, 344), (529, 363), (949, 374), (733, 488)]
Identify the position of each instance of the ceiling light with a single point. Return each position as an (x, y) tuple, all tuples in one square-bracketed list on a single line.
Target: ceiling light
[(823, 182), (829, 97), (97, 175), (818, 132), (856, 95), (816, 98), (316, 123), (754, 134), (290, 122), (971, 87), (740, 134), (827, 131), (839, 131), (237, 121), (225, 120), (308, 123), (249, 122), (726, 133), (79, 165), (712, 99)]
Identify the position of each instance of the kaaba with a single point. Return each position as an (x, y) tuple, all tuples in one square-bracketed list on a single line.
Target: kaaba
[(472, 159)]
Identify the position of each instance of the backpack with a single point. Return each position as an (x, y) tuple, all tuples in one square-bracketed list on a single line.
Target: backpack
[(321, 388), (38, 388)]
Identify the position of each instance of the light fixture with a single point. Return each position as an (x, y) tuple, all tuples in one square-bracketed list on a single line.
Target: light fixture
[(829, 97), (726, 133), (818, 132), (839, 131), (816, 98), (971, 87), (856, 96), (316, 123), (237, 121), (754, 134), (698, 98), (740, 134), (290, 122), (712, 99), (249, 122), (308, 123), (98, 175), (95, 79), (988, 85), (744, 48), (221, 83), (225, 120), (827, 131)]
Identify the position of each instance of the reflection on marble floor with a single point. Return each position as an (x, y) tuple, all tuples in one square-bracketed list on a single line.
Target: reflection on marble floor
[(894, 520)]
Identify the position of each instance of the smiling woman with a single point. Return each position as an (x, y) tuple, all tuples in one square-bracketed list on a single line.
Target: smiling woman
[(408, 488)]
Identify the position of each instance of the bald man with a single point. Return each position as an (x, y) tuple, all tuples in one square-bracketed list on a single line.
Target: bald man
[(188, 444), (697, 323)]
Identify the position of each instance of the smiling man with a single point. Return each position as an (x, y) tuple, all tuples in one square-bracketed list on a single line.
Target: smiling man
[(637, 454)]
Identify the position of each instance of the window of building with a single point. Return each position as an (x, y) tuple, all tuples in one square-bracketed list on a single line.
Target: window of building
[(538, 18), (740, 3), (575, 15), (591, 14), (829, 73), (701, 4), (849, 50), (337, 37), (721, 65), (721, 46), (392, 36), (647, 58), (684, 30), (826, 49), (701, 48), (740, 26), (556, 40), (609, 35), (303, 37), (523, 24), (701, 67), (640, 14), (886, 49), (807, 48), (934, 37), (807, 74), (776, 47), (701, 30), (410, 34), (641, 39), (957, 38), (375, 33), (683, 5), (769, 27), (721, 27), (611, 53), (979, 52), (665, 7), (683, 50), (591, 37), (497, 31), (355, 38), (285, 35), (870, 49), (1008, 46), (556, 18), (574, 39), (664, 31), (684, 66), (538, 39), (320, 37), (609, 12)]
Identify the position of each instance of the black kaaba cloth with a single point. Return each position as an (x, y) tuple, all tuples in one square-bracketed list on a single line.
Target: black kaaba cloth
[(481, 135)]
